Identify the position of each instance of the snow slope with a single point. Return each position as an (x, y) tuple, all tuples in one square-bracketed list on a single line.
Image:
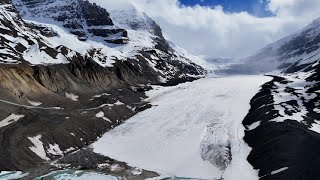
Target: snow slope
[(142, 36), (172, 137), (19, 42)]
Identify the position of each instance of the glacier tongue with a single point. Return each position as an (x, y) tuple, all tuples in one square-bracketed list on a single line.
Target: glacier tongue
[(191, 121)]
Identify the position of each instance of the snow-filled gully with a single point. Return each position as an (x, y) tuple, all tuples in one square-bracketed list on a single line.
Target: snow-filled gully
[(193, 130)]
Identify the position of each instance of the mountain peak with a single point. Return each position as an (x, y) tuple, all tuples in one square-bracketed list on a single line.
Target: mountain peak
[(296, 51), (81, 17)]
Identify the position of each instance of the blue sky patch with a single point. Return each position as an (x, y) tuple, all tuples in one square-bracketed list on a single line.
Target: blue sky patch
[(254, 7)]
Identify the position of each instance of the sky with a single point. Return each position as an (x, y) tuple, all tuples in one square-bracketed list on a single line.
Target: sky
[(254, 7), (224, 28)]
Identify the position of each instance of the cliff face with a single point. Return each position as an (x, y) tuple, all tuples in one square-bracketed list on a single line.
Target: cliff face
[(79, 16)]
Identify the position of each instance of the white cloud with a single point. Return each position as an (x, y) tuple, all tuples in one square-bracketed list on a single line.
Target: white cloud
[(214, 32)]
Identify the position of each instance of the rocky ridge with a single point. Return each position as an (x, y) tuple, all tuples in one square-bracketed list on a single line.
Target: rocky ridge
[(282, 126), (290, 54)]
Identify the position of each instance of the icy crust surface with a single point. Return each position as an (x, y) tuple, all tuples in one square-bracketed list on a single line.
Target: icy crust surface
[(194, 130)]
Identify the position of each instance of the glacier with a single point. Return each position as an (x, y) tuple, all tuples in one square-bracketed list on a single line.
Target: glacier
[(175, 137)]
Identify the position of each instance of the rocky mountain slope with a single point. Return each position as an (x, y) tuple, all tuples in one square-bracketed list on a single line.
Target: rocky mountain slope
[(68, 76), (283, 124), (79, 17), (135, 35), (291, 53)]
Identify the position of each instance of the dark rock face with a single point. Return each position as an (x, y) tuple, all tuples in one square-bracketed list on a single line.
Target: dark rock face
[(83, 18), (115, 36), (75, 123), (171, 69), (95, 15), (86, 160), (291, 143), (48, 85)]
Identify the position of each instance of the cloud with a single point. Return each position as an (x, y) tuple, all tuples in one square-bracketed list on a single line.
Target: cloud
[(213, 32)]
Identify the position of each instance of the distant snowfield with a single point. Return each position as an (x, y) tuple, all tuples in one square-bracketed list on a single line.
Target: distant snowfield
[(167, 138)]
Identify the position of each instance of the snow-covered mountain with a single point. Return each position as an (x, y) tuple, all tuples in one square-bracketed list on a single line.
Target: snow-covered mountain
[(80, 17), (107, 37), (291, 53), (283, 124), (70, 71), (21, 44)]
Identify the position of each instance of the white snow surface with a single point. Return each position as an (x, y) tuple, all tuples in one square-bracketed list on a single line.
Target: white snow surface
[(254, 125), (101, 115), (37, 56), (38, 147), (168, 137), (279, 170), (54, 150), (71, 96), (33, 103), (10, 119)]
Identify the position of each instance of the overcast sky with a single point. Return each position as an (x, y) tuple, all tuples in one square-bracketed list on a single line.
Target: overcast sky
[(222, 28)]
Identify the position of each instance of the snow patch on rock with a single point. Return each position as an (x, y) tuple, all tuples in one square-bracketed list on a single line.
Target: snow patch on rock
[(10, 119), (38, 147), (54, 150), (279, 170), (33, 103), (71, 96), (101, 115)]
